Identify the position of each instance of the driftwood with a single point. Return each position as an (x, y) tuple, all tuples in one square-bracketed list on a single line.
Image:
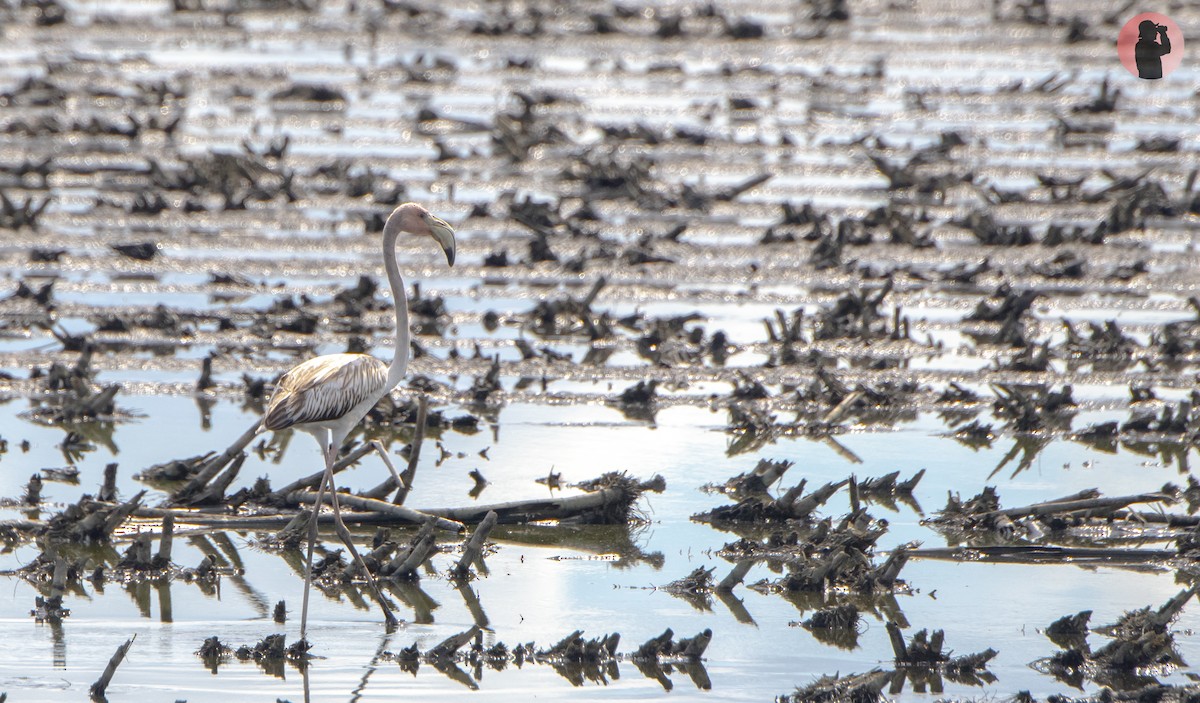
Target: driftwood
[(984, 514), (1069, 628), (108, 490), (606, 506), (1142, 638), (371, 560), (844, 566), (665, 646), (1135, 622), (296, 530), (925, 650), (610, 503), (574, 657), (699, 581), (1090, 507), (836, 625), (890, 483), (213, 493), (398, 512), (137, 557), (88, 521), (574, 648)]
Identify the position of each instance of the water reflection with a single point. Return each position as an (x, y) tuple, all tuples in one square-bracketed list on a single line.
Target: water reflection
[(430, 601), (450, 669), (882, 606), (577, 673), (1028, 446), (598, 540), (411, 594), (736, 606), (471, 600), (467, 668), (660, 672), (58, 640), (380, 654)]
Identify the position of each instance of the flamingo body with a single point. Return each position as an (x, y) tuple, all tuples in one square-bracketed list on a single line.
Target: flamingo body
[(328, 392), (327, 396)]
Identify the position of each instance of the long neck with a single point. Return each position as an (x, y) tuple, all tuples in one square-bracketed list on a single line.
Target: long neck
[(400, 360)]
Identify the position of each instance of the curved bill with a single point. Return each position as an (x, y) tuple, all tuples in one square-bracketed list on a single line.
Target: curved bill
[(443, 233)]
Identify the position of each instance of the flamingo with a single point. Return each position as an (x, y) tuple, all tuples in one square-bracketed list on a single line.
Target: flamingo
[(328, 395)]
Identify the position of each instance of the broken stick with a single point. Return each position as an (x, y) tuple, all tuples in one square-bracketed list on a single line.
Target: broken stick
[(410, 472), (101, 684), (474, 547)]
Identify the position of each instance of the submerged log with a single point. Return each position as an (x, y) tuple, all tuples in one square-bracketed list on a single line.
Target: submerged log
[(610, 503)]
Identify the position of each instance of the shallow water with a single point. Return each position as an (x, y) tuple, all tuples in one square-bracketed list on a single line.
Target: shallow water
[(808, 124), (539, 592)]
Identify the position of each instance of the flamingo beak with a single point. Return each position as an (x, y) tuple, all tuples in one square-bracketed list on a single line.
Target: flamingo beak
[(443, 234)]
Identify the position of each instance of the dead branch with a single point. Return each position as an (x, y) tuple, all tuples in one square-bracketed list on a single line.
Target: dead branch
[(396, 512), (314, 479), (414, 456), (214, 465), (98, 688), (1089, 507), (474, 546)]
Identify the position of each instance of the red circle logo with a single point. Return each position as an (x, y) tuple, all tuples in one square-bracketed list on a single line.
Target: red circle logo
[(1150, 46)]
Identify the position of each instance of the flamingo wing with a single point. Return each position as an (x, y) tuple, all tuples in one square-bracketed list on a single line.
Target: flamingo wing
[(324, 389)]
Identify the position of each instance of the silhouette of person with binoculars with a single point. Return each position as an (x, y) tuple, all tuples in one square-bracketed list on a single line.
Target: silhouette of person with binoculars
[(1148, 52)]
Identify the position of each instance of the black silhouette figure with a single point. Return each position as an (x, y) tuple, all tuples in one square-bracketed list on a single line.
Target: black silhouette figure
[(1148, 52)]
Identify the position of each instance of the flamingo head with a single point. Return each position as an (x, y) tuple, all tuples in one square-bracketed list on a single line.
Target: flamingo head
[(415, 219)]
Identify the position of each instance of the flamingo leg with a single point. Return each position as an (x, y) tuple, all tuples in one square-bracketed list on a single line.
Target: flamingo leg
[(344, 533), (312, 540)]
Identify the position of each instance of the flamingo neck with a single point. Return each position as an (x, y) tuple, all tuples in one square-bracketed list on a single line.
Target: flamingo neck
[(400, 298)]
